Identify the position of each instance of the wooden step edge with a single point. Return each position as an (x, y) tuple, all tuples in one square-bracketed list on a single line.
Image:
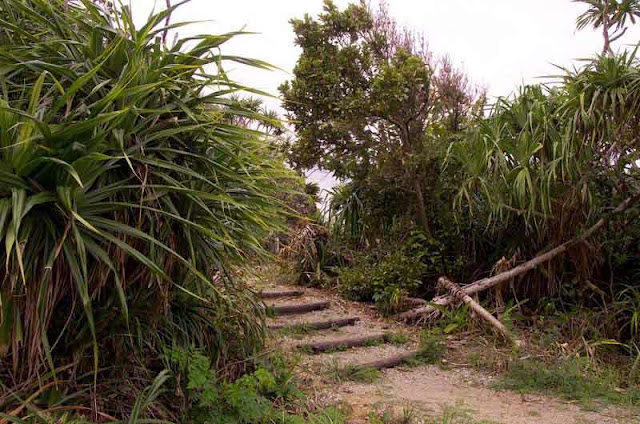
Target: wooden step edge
[(344, 343), (391, 361), (317, 325), (276, 294), (301, 308)]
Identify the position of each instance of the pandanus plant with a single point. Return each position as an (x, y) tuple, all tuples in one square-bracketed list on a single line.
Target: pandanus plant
[(612, 16), (126, 186)]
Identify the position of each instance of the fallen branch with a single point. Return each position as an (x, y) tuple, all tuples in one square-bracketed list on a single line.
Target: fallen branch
[(486, 283), (458, 293)]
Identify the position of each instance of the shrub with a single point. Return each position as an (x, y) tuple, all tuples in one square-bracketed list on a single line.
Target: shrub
[(387, 283), (125, 186), (259, 397)]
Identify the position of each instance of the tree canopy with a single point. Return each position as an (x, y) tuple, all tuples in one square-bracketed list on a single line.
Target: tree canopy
[(368, 97)]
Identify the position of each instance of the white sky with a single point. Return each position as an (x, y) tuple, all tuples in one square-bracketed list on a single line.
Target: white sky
[(500, 43)]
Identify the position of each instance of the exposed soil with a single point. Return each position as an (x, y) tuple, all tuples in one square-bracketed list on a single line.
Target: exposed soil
[(427, 390)]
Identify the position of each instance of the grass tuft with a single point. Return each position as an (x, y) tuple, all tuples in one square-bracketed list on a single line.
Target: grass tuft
[(340, 373)]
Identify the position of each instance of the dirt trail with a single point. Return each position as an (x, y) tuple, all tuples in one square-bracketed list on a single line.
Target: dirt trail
[(427, 390)]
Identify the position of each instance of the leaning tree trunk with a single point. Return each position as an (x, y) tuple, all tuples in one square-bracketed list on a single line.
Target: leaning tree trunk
[(485, 283)]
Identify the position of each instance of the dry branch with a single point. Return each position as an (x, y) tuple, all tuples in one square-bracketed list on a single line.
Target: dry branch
[(486, 283)]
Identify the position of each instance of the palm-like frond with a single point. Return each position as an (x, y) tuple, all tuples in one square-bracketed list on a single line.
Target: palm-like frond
[(611, 15), (539, 155), (122, 178)]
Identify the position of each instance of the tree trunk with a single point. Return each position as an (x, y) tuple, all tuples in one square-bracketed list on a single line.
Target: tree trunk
[(422, 210), (485, 283), (605, 30)]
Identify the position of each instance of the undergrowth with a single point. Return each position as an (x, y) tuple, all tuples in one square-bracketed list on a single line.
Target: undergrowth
[(268, 395), (572, 379), (451, 414)]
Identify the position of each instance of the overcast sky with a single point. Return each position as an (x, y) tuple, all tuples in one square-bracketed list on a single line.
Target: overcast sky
[(500, 43)]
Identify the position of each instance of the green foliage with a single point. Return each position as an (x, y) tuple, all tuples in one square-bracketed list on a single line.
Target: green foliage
[(340, 373), (330, 415), (628, 311), (453, 320), (126, 184), (526, 161), (363, 73), (457, 415), (379, 105), (432, 347), (450, 415), (387, 416), (345, 215), (389, 274), (397, 338), (386, 283), (313, 254), (551, 161), (571, 378), (612, 15), (251, 399)]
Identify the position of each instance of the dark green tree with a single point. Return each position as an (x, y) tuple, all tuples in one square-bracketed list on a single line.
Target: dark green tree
[(365, 97)]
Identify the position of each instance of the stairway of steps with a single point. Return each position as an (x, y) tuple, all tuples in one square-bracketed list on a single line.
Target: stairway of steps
[(326, 334), (338, 371)]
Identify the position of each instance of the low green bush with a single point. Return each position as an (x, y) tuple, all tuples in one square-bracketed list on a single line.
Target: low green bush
[(386, 283), (264, 396), (397, 269)]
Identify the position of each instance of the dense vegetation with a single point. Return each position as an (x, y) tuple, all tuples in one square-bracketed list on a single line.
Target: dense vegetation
[(437, 182), (130, 183), (136, 179)]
